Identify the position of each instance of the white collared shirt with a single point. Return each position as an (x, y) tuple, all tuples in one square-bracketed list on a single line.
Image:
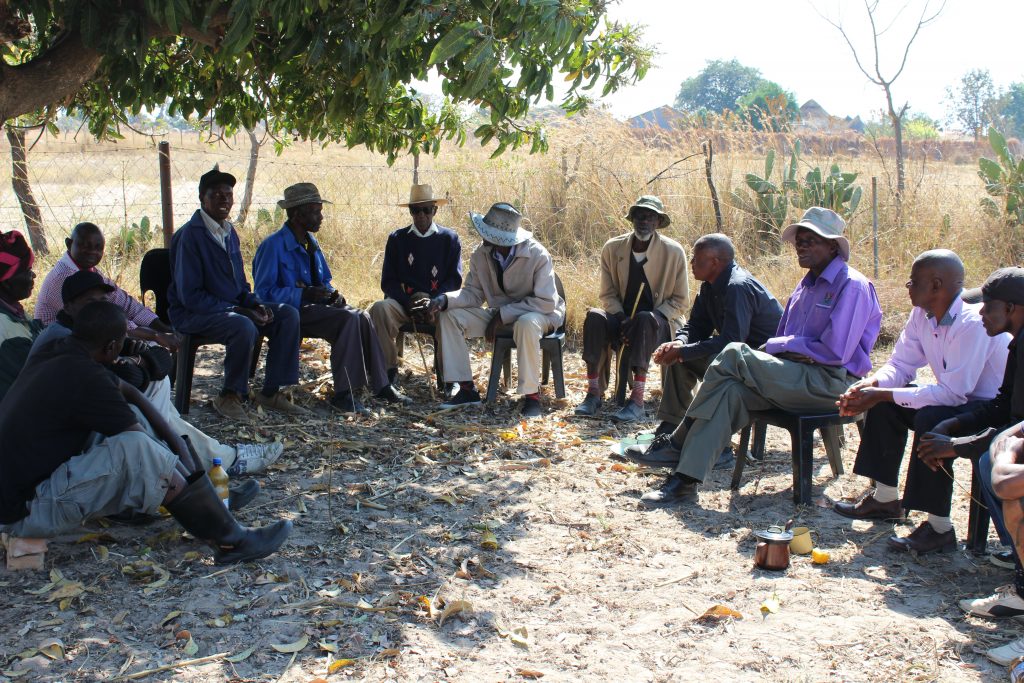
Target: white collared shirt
[(219, 232), (968, 364), (432, 230)]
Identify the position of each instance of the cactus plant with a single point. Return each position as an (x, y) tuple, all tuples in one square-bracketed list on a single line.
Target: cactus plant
[(771, 201), (1003, 178), (834, 191)]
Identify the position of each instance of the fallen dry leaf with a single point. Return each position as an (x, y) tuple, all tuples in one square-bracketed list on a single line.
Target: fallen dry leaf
[(453, 608), (339, 664), (488, 541), (69, 590), (530, 673), (52, 648), (718, 613), (170, 616), (297, 646), (244, 654)]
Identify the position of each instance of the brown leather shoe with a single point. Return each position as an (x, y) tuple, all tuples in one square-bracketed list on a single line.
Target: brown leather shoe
[(924, 539), (866, 507)]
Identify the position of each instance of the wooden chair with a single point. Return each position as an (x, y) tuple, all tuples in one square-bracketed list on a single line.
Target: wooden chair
[(551, 347)]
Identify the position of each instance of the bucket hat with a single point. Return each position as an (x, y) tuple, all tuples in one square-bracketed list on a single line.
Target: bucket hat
[(502, 225), (824, 223)]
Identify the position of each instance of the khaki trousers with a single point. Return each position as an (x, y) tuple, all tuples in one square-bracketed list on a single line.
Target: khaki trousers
[(206, 447), (741, 380), (679, 381), (459, 324), (388, 315)]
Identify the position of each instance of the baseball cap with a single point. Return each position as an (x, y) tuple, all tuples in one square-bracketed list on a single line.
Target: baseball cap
[(80, 283), (1006, 284)]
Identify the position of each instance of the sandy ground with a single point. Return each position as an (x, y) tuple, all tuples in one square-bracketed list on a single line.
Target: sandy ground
[(393, 572)]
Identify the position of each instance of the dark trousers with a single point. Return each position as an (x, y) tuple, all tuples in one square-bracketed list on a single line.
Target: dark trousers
[(881, 452), (601, 334), (356, 357), (238, 334), (992, 501)]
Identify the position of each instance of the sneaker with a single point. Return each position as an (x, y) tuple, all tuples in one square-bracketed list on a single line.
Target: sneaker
[(230, 406), (392, 395), (254, 457), (1003, 603), (1003, 558), (531, 407), (348, 404), (659, 453), (278, 402), (631, 412), (463, 397), (1006, 655), (590, 407)]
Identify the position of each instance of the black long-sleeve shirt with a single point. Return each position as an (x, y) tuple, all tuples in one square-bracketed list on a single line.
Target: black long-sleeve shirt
[(735, 306), (993, 416)]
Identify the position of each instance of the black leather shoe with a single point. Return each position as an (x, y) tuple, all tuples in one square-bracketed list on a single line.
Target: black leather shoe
[(392, 395), (242, 494), (676, 489), (347, 403), (866, 507), (531, 407), (659, 453), (665, 428), (590, 407), (924, 539)]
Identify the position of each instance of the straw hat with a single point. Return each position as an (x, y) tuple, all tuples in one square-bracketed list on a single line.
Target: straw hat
[(422, 194), (824, 223), (502, 225)]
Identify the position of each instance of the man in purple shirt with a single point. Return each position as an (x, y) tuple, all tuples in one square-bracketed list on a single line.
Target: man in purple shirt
[(948, 336), (822, 347)]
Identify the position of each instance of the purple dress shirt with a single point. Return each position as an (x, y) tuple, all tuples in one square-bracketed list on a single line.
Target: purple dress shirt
[(833, 319)]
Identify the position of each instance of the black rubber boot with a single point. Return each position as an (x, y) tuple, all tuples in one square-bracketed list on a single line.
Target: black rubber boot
[(242, 494), (202, 513)]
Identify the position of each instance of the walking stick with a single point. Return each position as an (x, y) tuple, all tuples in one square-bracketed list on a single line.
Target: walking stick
[(423, 358), (636, 302)]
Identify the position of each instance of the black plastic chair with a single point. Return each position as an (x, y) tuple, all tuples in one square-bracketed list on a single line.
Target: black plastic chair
[(551, 347)]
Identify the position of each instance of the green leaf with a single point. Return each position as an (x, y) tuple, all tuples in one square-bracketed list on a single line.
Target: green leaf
[(454, 42), (990, 171)]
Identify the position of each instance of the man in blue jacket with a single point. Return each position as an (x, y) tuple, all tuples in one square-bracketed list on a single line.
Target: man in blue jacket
[(210, 296), (290, 269)]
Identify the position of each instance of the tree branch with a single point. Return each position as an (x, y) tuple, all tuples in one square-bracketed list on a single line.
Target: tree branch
[(52, 77)]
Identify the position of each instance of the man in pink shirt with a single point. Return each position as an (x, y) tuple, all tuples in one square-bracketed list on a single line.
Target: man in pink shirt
[(948, 336), (85, 250)]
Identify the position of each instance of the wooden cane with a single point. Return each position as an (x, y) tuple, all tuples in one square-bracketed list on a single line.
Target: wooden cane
[(636, 302), (423, 358)]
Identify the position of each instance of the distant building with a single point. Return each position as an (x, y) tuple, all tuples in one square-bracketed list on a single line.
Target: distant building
[(814, 117), (666, 117)]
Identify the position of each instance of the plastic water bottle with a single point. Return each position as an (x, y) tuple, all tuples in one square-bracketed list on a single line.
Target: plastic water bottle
[(220, 482)]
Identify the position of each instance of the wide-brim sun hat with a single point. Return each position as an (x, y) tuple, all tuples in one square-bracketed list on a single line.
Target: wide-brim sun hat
[(824, 223), (423, 194), (502, 225), (300, 194), (652, 203)]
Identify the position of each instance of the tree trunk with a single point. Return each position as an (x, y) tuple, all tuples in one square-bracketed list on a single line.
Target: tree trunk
[(250, 177), (23, 190)]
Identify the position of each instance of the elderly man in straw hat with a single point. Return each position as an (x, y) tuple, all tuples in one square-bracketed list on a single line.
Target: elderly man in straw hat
[(822, 346), (513, 274), (643, 290), (421, 260), (209, 295), (289, 268)]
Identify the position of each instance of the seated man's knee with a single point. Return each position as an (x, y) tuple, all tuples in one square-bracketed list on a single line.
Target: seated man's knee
[(528, 326), (241, 329), (926, 418), (595, 316), (286, 315)]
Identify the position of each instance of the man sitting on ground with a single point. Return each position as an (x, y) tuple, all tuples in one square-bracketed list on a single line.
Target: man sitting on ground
[(210, 296), (84, 252), (290, 269), (948, 336), (731, 306), (643, 293), (99, 448), (420, 261), (823, 345), (514, 275), (16, 330), (146, 368)]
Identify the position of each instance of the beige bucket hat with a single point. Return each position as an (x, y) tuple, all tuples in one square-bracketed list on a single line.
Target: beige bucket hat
[(824, 223), (421, 194)]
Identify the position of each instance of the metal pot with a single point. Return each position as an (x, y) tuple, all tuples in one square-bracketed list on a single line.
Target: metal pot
[(772, 551)]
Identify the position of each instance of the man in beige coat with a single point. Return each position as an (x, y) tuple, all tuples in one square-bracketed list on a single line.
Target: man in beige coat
[(644, 291), (513, 274)]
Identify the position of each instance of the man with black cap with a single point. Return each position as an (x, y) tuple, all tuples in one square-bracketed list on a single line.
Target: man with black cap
[(210, 296), (16, 330), (644, 293), (98, 448), (420, 260), (290, 270), (822, 346), (513, 274)]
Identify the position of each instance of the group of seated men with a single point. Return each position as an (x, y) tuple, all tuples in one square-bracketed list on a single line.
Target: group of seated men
[(89, 394)]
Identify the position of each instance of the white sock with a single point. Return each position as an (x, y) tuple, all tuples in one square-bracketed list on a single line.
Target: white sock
[(940, 524), (885, 493)]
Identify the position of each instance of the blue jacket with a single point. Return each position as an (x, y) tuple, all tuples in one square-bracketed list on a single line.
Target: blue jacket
[(204, 277), (281, 263)]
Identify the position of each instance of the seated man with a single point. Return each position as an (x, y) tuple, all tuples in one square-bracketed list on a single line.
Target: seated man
[(209, 295), (822, 346), (513, 274), (146, 368), (290, 269), (731, 306), (97, 447), (643, 292), (420, 260), (85, 250), (948, 336), (16, 330)]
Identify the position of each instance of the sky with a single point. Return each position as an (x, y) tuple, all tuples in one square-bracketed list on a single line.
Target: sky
[(794, 46)]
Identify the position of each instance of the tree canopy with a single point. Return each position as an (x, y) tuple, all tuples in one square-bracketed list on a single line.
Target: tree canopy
[(718, 86), (323, 70), (972, 102)]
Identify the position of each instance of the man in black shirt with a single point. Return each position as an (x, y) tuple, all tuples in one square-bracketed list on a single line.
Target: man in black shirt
[(731, 306), (77, 443)]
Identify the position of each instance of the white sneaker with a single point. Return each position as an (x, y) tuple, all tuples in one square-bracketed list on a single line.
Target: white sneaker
[(1003, 603), (255, 457), (1005, 655)]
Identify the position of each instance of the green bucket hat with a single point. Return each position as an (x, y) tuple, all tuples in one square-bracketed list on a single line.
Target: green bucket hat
[(649, 201)]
